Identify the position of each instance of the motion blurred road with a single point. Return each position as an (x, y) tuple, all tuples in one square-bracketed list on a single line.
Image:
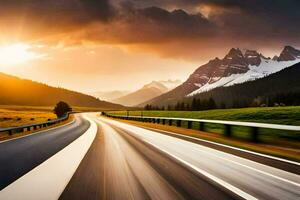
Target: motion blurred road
[(130, 162), (19, 156)]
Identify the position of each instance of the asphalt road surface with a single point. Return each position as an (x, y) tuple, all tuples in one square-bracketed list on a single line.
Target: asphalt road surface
[(19, 156), (129, 162)]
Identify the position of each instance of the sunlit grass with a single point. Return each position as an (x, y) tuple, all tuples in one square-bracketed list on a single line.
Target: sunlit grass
[(289, 115), (11, 118), (274, 115)]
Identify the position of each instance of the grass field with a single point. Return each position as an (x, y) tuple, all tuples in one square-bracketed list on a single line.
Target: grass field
[(15, 115), (275, 115), (9, 118), (47, 108)]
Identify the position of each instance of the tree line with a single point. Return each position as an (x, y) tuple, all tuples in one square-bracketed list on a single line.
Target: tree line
[(279, 89), (197, 104)]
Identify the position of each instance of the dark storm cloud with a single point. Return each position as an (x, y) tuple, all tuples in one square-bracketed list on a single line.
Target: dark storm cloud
[(119, 21), (247, 21), (71, 11), (226, 22), (156, 24)]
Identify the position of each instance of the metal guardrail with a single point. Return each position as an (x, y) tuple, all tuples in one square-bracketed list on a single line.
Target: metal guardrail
[(19, 129), (227, 124)]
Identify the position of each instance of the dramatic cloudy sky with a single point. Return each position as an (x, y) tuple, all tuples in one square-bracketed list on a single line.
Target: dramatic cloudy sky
[(90, 45)]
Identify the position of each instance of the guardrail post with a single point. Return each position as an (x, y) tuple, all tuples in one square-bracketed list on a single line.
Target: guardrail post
[(227, 130), (163, 121), (10, 132), (28, 128), (170, 122), (34, 127), (153, 121), (254, 134), (178, 123), (158, 121), (189, 124), (201, 126)]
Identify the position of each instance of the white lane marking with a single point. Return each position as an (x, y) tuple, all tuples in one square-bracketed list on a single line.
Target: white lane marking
[(224, 145), (252, 168), (48, 180), (228, 186), (257, 170)]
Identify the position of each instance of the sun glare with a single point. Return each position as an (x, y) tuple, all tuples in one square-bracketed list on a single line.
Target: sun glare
[(16, 54)]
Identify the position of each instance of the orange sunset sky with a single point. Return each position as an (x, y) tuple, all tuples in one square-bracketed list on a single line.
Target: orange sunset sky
[(101, 45)]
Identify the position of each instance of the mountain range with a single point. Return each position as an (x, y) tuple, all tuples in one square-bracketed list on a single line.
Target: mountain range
[(236, 67), (17, 91), (282, 87), (109, 95), (147, 92)]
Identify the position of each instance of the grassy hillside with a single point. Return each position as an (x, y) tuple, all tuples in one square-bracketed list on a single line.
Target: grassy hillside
[(16, 91), (276, 115)]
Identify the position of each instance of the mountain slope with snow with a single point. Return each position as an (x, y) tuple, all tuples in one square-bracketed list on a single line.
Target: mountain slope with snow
[(280, 87), (266, 67), (236, 67)]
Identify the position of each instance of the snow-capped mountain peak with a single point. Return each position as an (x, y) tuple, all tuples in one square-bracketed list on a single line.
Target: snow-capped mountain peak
[(237, 67), (289, 53), (253, 57), (171, 84), (156, 84)]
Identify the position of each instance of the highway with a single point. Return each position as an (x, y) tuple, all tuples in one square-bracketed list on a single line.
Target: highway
[(129, 162), (19, 156)]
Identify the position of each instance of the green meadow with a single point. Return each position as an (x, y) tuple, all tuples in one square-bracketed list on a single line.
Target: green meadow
[(274, 115)]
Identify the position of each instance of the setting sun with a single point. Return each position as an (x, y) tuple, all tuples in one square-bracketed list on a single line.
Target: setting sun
[(16, 53)]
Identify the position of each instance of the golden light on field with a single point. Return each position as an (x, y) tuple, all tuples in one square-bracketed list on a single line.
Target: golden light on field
[(16, 54)]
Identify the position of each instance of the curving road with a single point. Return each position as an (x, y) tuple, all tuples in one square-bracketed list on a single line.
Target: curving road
[(129, 162), (19, 156)]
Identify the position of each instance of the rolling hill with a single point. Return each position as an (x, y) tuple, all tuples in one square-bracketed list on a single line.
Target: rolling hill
[(17, 91)]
